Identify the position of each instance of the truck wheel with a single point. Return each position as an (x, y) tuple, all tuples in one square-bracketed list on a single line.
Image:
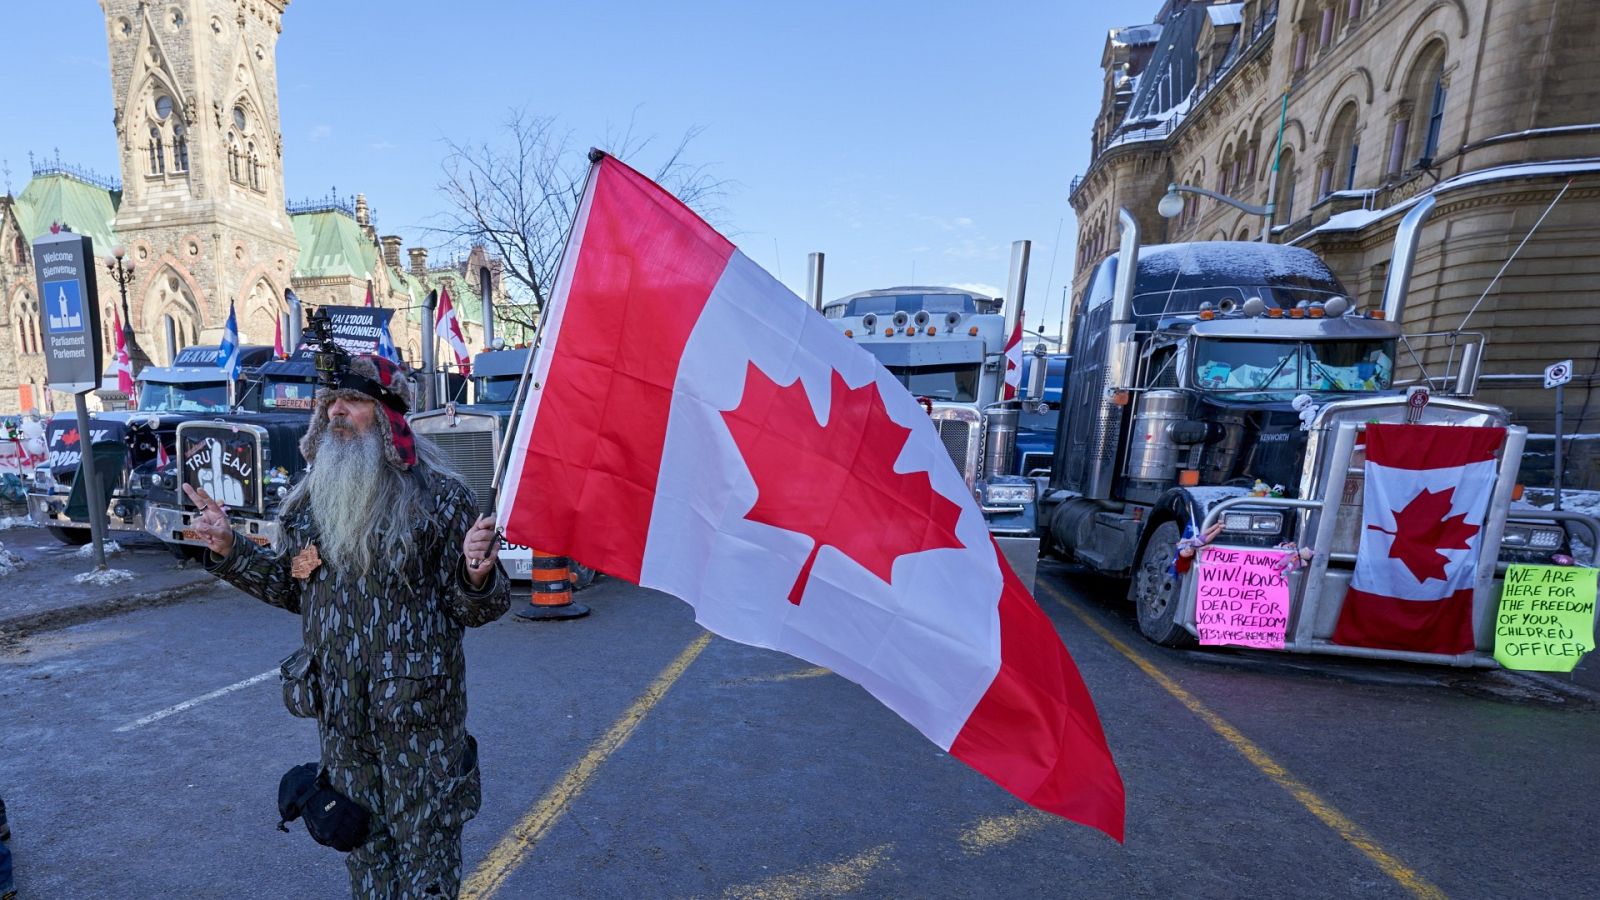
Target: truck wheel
[(77, 537), (1154, 591)]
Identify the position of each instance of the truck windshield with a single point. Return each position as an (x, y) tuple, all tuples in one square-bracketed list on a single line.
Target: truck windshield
[(287, 394), (205, 396), (497, 390), (1285, 368), (935, 304), (958, 383)]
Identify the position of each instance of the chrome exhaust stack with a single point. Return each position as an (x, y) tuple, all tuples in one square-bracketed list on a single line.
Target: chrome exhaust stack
[(1398, 284)]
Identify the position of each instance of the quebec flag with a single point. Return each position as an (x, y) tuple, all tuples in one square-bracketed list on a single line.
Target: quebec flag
[(386, 345), (228, 353)]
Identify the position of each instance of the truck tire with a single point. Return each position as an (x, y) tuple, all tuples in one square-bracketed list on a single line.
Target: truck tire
[(1154, 590), (77, 537)]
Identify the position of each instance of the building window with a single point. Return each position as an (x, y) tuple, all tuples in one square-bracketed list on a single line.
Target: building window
[(234, 162), (19, 251), (158, 159), (1350, 170), (1286, 176), (180, 149), (1430, 144), (1343, 150), (1425, 94), (255, 166)]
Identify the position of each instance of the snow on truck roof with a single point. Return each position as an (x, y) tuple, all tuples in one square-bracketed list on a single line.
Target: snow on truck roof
[(1220, 263)]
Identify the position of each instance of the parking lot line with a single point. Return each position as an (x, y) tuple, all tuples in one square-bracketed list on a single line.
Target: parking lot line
[(526, 834), (1347, 829), (188, 704), (833, 879)]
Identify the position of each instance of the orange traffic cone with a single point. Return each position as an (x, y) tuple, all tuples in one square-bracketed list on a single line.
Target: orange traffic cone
[(552, 590)]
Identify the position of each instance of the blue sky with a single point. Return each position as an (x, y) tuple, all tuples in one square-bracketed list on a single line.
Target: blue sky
[(909, 141)]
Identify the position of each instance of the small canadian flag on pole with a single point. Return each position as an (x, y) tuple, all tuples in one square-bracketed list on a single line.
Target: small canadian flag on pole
[(448, 328), (693, 426), (124, 366), (1014, 360)]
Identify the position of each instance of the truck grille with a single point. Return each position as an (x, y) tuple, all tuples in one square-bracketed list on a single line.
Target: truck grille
[(956, 436), (471, 453)]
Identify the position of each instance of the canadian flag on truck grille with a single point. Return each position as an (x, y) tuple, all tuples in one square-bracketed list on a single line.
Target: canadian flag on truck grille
[(1427, 492)]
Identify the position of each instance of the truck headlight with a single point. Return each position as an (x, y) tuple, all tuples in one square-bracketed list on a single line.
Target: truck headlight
[(1532, 537), (1010, 494), (1252, 522)]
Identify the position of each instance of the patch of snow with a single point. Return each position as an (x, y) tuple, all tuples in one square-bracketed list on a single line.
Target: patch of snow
[(9, 562), (15, 522), (87, 550), (1570, 437), (1351, 220), (1531, 132), (1521, 170), (104, 579), (1226, 14), (1251, 262)]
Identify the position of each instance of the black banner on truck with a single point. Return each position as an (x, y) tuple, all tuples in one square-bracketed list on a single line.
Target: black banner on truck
[(355, 329), (222, 460)]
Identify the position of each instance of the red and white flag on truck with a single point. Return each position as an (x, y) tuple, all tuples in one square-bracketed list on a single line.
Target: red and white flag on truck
[(1014, 361), (693, 426), (123, 365), (1427, 491)]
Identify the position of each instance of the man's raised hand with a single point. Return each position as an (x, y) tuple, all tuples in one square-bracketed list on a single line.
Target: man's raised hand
[(211, 525)]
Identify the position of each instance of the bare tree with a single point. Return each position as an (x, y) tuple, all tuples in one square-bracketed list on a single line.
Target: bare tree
[(518, 197)]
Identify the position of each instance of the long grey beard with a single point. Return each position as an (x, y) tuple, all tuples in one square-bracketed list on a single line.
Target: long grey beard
[(344, 487)]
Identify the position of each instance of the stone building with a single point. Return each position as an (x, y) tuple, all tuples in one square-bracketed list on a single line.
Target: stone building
[(1493, 108), (200, 208)]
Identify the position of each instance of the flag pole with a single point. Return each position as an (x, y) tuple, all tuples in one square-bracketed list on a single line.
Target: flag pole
[(503, 457)]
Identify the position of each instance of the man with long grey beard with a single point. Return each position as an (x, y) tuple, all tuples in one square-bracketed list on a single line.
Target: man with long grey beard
[(383, 556)]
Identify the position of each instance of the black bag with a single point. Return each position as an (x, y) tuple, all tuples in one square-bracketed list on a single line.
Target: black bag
[(332, 819)]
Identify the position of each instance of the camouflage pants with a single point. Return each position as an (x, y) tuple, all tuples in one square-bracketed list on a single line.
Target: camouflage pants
[(421, 786)]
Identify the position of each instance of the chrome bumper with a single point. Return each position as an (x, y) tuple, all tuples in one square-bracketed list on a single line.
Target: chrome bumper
[(51, 510), (172, 525)]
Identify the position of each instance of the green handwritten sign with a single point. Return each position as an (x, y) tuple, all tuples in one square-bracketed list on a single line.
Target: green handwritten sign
[(1546, 619)]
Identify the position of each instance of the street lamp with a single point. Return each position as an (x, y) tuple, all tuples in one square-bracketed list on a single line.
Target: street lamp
[(1171, 205), (122, 273)]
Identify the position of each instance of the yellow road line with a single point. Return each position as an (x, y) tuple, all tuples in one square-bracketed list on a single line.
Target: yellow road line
[(814, 672), (526, 834), (997, 831), (1350, 831), (826, 880)]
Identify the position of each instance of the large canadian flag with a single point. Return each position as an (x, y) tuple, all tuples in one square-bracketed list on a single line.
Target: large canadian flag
[(1427, 490), (693, 426)]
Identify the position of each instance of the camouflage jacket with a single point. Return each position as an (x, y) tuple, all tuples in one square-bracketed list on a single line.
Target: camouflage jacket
[(385, 646)]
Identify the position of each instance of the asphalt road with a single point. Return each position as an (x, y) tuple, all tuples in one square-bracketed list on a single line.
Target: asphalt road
[(626, 755)]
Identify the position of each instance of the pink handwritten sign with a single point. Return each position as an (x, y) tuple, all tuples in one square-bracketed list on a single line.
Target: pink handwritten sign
[(1241, 597)]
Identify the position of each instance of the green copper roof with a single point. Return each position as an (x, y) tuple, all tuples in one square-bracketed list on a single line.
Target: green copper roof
[(332, 245), (86, 208)]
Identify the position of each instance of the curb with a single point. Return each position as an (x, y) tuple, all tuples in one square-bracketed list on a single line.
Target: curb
[(54, 619)]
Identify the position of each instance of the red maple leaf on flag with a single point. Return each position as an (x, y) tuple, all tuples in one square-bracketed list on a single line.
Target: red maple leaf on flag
[(1424, 528), (836, 483), (69, 437)]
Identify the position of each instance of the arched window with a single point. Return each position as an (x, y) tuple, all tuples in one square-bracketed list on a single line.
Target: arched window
[(233, 157), (19, 251), (255, 165), (1344, 150), (1286, 176), (180, 149), (158, 158)]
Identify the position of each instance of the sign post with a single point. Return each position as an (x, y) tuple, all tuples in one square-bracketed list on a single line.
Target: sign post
[(1556, 375), (69, 308)]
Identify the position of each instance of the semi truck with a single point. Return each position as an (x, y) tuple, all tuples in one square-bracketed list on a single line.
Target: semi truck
[(1230, 384)]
